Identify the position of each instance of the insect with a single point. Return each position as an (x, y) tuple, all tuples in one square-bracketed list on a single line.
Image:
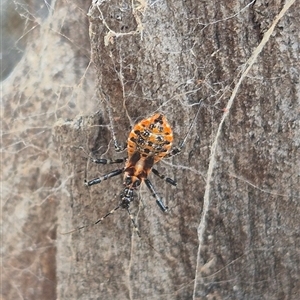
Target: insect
[(149, 141)]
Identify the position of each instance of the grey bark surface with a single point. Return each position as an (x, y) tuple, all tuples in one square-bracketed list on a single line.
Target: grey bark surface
[(232, 230), (48, 82)]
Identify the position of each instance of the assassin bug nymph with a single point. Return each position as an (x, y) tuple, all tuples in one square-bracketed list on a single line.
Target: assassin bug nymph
[(149, 141)]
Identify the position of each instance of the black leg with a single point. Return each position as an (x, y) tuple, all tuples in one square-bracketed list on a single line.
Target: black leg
[(154, 194), (118, 148), (161, 176), (104, 177), (175, 150), (105, 161)]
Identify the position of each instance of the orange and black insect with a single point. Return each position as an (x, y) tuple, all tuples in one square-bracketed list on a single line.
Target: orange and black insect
[(149, 141)]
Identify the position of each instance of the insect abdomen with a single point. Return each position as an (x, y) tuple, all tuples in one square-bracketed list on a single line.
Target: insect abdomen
[(151, 137)]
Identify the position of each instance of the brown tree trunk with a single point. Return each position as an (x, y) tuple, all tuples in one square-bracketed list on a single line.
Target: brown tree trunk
[(232, 230)]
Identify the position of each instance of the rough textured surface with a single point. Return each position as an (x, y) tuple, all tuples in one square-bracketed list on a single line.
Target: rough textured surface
[(166, 56), (50, 81)]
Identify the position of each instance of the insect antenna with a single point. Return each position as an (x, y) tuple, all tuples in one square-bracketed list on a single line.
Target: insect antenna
[(95, 223), (102, 218)]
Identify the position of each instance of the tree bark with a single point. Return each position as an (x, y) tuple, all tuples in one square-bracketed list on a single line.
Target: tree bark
[(232, 230), (48, 82)]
